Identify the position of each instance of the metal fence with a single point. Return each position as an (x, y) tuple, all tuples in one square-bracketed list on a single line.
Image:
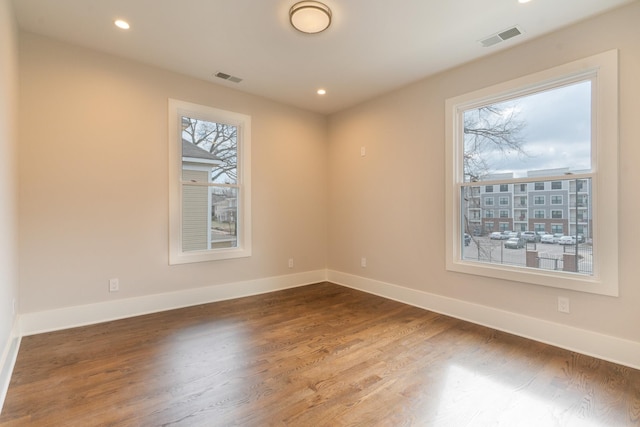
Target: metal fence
[(547, 257)]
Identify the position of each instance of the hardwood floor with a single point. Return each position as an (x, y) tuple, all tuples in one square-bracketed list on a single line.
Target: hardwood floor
[(321, 355)]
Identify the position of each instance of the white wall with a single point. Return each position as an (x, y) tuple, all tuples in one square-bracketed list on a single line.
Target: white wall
[(389, 205), (94, 180), (8, 191)]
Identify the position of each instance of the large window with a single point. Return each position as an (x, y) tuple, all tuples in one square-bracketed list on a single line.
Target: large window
[(210, 209), (556, 129)]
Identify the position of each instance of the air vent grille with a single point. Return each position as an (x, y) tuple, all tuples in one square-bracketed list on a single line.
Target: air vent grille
[(226, 76), (501, 36)]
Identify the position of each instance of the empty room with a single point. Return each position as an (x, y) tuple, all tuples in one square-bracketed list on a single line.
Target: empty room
[(332, 213)]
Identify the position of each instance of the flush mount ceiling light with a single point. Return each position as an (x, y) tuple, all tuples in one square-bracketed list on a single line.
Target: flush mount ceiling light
[(310, 16)]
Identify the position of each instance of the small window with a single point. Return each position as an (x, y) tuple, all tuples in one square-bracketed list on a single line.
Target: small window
[(504, 187), (504, 213), (538, 228), (557, 229), (488, 213), (580, 102), (504, 201), (488, 201), (210, 199)]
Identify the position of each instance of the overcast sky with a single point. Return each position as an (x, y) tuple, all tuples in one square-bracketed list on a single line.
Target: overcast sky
[(557, 133)]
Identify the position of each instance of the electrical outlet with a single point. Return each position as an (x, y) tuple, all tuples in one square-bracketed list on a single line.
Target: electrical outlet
[(363, 262), (114, 285), (290, 262), (563, 304)]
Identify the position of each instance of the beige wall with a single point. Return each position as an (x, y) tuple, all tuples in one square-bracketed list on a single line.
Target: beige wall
[(389, 205), (8, 173), (94, 180)]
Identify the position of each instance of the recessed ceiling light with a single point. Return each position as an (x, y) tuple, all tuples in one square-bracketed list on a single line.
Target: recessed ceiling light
[(321, 92), (121, 24), (523, 1)]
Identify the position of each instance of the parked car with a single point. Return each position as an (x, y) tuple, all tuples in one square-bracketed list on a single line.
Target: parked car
[(514, 243), (467, 239), (567, 240), (496, 235), (548, 238), (557, 236), (580, 238), (530, 236), (510, 234)]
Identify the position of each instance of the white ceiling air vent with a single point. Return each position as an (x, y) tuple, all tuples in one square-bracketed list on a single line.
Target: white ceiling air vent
[(229, 77), (501, 36)]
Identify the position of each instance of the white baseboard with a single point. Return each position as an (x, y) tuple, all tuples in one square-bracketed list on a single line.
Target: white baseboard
[(617, 350), (7, 361), (69, 317), (613, 349)]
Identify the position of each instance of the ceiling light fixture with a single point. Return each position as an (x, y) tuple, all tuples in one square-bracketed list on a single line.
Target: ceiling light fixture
[(321, 92), (122, 24), (310, 16)]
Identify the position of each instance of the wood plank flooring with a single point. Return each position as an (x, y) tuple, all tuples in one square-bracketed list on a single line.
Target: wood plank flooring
[(321, 355)]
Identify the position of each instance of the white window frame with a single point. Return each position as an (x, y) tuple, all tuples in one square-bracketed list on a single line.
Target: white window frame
[(556, 217), (177, 109), (603, 70), (536, 216)]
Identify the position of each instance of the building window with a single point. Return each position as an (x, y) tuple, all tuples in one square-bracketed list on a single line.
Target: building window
[(504, 226), (538, 214), (586, 91), (504, 187), (488, 213), (488, 201), (210, 198), (557, 229), (488, 189), (504, 201), (556, 200), (538, 228), (504, 213), (556, 214)]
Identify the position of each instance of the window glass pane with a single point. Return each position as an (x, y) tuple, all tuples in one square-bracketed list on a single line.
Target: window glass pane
[(211, 149), (572, 217), (546, 131), (209, 217)]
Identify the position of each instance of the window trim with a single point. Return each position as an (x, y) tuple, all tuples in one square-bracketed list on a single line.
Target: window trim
[(603, 70), (176, 109)]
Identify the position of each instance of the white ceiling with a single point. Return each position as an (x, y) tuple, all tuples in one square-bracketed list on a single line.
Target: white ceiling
[(372, 46)]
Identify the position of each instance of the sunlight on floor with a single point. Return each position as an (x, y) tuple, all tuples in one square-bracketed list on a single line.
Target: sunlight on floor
[(472, 399)]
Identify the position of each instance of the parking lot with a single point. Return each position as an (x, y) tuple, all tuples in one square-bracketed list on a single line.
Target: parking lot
[(550, 256)]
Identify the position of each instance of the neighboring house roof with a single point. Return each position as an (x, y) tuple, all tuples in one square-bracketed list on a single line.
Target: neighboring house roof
[(196, 154)]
